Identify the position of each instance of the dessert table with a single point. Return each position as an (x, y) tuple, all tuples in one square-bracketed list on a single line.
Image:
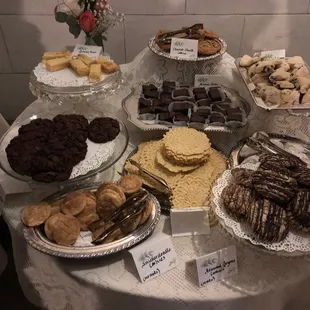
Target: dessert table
[(265, 280)]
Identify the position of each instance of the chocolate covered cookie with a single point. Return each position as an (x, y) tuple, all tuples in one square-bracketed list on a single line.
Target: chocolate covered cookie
[(243, 177), (302, 176), (103, 129)]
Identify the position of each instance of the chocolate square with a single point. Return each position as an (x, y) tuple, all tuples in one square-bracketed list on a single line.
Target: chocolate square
[(184, 85), (199, 96), (198, 118), (161, 108), (217, 118), (198, 90), (148, 87), (181, 118), (165, 116), (143, 103), (234, 117), (156, 102), (151, 94), (182, 92), (167, 83), (227, 99), (214, 94), (204, 103), (181, 106), (233, 110), (203, 112), (147, 110), (219, 108), (165, 98)]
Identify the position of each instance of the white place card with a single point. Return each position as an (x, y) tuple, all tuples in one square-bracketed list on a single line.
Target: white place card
[(217, 266), (274, 53), (89, 50), (251, 86), (189, 222), (202, 80), (184, 48), (154, 257)]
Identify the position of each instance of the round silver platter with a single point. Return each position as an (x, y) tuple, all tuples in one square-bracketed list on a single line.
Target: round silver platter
[(37, 239), (77, 94), (156, 50)]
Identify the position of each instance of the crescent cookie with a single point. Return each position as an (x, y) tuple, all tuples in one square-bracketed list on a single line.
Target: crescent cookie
[(36, 214)]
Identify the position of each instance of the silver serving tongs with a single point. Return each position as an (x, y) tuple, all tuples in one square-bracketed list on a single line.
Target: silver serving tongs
[(166, 37), (135, 204), (159, 180), (260, 140)]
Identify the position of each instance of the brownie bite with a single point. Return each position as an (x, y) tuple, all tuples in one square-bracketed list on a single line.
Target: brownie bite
[(234, 114), (181, 107), (144, 103), (149, 110), (151, 94), (182, 92), (203, 112), (149, 87), (217, 118), (165, 98), (198, 118), (204, 103), (199, 96), (220, 109), (214, 94), (161, 108), (165, 117), (198, 90), (169, 86), (181, 118)]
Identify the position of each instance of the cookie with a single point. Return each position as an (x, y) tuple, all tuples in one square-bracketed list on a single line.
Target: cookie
[(37, 125), (113, 236), (103, 129), (65, 230), (87, 216), (209, 47), (50, 223), (208, 34), (247, 61), (130, 225), (130, 184), (146, 212), (73, 204), (36, 214), (243, 177), (111, 186), (302, 176)]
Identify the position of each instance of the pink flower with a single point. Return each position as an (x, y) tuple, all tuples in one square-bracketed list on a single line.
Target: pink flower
[(87, 21), (101, 5)]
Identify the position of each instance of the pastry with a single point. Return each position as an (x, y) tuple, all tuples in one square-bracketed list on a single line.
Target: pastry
[(274, 186), (50, 223), (79, 67), (130, 184), (36, 214), (111, 186), (207, 34), (290, 97), (271, 95), (113, 236), (57, 64), (295, 62), (284, 85), (103, 129), (252, 70), (289, 162), (53, 55), (243, 177), (87, 216), (95, 72), (146, 212), (267, 67), (247, 61), (87, 60), (267, 220), (209, 47), (303, 84), (164, 46), (73, 204), (260, 79), (302, 176), (280, 75), (108, 66), (306, 98), (65, 230)]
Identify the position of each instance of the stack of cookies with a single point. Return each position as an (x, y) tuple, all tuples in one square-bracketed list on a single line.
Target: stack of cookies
[(84, 210), (185, 159)]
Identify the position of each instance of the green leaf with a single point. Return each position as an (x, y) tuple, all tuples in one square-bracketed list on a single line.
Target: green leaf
[(104, 38), (61, 17), (75, 30), (98, 40), (71, 20)]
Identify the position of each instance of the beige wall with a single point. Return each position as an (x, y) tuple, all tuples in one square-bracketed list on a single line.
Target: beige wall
[(27, 28)]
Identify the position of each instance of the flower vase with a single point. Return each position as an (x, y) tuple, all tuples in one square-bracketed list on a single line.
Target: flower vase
[(97, 42)]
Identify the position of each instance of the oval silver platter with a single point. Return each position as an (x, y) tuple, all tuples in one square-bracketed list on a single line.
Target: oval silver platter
[(236, 159), (156, 50), (37, 239)]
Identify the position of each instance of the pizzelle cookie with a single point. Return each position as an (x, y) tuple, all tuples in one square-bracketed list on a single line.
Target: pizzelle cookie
[(186, 146), (36, 214)]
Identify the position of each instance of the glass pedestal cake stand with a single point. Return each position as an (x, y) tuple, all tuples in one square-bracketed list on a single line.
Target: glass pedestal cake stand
[(77, 94)]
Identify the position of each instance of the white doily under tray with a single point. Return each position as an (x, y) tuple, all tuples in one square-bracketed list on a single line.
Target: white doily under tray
[(293, 243)]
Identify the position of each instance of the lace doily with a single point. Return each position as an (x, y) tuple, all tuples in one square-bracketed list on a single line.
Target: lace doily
[(96, 155), (293, 242), (62, 78)]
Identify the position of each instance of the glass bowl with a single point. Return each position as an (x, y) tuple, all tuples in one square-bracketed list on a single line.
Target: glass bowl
[(120, 145)]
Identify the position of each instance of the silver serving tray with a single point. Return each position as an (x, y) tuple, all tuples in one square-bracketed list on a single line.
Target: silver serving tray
[(235, 159), (36, 238), (130, 106), (259, 101), (158, 51)]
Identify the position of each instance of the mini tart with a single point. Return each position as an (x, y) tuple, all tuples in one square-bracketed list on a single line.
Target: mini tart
[(130, 184), (36, 214)]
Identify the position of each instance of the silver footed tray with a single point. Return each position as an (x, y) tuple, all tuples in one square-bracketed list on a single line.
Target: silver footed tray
[(83, 248)]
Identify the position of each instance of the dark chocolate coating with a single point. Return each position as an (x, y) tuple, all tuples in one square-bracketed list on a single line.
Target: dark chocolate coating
[(198, 118), (161, 108), (181, 118), (214, 94), (182, 92), (151, 94), (200, 96), (165, 98), (150, 110), (165, 116), (217, 118), (149, 87), (198, 90), (144, 103), (219, 109), (181, 106), (204, 103), (103, 129)]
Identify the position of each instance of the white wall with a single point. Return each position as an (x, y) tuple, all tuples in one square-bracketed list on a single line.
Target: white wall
[(27, 28)]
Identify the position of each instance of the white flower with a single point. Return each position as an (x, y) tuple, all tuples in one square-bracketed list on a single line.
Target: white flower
[(71, 7)]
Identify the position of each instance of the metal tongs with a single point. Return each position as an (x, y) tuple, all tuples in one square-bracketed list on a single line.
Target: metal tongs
[(166, 37), (261, 141), (134, 205)]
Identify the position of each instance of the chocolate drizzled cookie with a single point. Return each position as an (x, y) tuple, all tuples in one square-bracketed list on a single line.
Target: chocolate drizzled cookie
[(243, 177), (289, 162), (267, 220), (275, 186), (302, 175)]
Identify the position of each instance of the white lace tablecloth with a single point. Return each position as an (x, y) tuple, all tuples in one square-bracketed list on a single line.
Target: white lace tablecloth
[(265, 281)]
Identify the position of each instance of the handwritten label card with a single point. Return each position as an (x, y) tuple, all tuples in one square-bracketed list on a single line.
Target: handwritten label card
[(274, 53), (188, 222), (184, 48), (154, 257), (217, 266), (89, 50), (202, 80)]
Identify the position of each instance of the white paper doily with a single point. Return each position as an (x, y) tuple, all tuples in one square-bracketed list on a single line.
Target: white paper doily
[(97, 154), (293, 242), (63, 78)]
